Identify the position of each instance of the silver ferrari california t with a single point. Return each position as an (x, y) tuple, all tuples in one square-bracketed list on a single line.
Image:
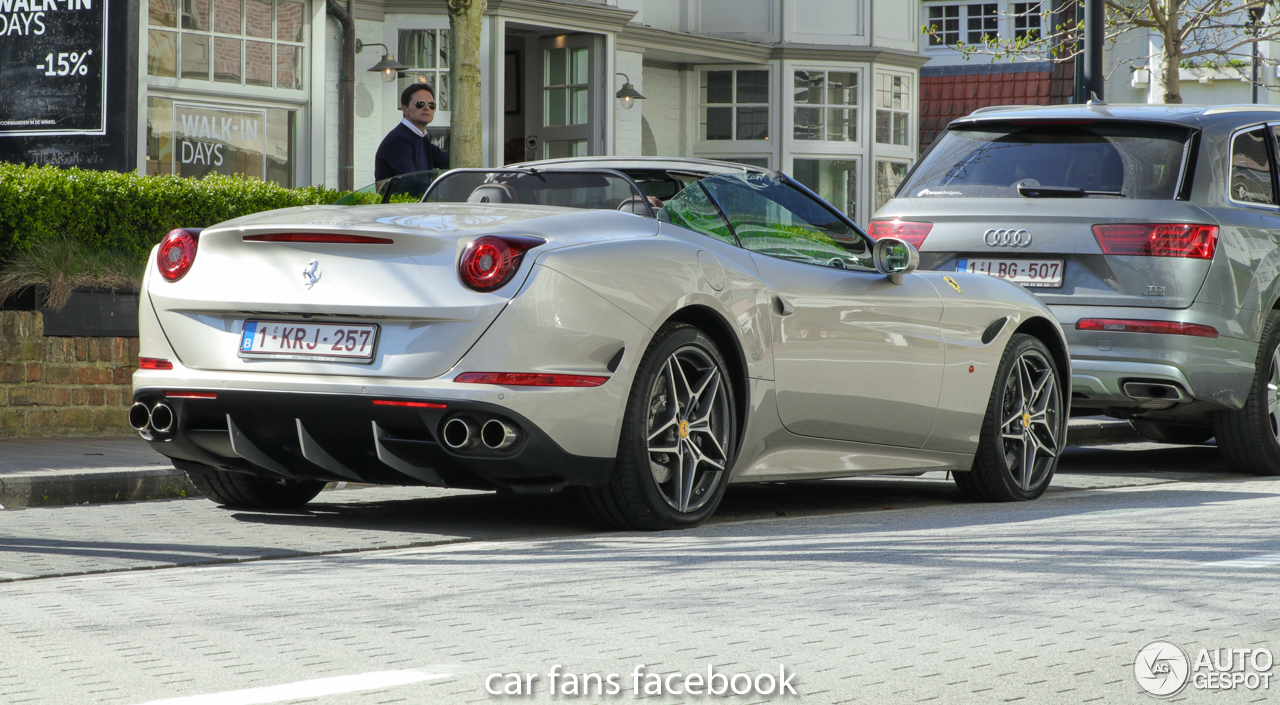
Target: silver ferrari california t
[(641, 331)]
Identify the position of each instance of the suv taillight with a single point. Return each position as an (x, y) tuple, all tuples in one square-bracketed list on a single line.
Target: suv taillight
[(176, 254), (1157, 239), (914, 233), (490, 261)]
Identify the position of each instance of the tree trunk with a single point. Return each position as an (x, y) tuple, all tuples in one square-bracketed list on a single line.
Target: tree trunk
[(466, 140), (1171, 51)]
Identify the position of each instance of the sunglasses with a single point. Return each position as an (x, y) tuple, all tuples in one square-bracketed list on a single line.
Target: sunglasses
[(422, 103)]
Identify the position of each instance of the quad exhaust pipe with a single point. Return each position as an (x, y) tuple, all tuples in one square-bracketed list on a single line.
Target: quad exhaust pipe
[(498, 435), (461, 433), (158, 419)]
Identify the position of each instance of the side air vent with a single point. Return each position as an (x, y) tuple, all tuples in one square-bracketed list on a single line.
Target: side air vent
[(993, 330)]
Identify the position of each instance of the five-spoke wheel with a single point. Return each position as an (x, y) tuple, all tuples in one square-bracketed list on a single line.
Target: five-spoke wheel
[(1025, 429), (688, 412), (678, 438)]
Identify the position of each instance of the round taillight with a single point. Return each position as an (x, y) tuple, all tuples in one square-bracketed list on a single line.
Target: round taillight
[(177, 252), (488, 263)]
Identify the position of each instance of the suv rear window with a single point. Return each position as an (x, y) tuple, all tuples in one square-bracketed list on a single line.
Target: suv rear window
[(1138, 160)]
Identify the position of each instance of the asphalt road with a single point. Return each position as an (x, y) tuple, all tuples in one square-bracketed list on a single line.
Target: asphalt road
[(876, 590)]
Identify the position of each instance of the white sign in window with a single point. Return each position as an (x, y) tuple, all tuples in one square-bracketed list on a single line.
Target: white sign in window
[(215, 140)]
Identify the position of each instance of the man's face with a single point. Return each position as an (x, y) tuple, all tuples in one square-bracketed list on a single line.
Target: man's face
[(420, 110)]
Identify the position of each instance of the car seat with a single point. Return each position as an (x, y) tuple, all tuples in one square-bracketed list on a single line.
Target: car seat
[(493, 193)]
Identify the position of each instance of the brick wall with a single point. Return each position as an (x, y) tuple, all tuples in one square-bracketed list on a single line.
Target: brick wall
[(62, 386)]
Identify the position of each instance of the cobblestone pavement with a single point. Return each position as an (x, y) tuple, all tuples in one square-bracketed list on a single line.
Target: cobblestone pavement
[(893, 591)]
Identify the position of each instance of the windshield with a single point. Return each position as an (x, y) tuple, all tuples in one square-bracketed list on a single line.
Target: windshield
[(770, 217), (1127, 160), (602, 189), (403, 188)]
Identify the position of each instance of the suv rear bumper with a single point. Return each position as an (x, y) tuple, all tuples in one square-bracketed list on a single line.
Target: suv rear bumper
[(1187, 369)]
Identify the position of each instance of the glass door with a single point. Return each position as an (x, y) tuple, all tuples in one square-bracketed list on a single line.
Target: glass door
[(564, 98)]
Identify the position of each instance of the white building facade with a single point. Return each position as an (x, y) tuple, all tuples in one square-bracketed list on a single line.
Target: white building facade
[(826, 90)]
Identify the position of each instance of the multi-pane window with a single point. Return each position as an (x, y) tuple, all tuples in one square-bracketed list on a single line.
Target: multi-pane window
[(893, 106), (889, 176), (982, 19), (426, 53), (566, 73), (248, 42), (944, 20), (735, 105), (826, 106), (1026, 20), (836, 180)]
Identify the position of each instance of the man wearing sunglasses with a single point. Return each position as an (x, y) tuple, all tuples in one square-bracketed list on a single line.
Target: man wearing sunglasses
[(407, 148)]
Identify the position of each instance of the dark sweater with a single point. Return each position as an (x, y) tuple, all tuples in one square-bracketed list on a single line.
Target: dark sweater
[(403, 152)]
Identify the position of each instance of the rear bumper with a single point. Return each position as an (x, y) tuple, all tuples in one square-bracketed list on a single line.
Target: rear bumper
[(336, 437), (1217, 371)]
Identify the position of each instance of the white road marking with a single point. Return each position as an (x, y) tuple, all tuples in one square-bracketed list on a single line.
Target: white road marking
[(1264, 561), (319, 687)]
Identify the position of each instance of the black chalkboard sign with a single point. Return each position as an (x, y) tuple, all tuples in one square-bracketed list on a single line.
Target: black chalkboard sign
[(68, 81)]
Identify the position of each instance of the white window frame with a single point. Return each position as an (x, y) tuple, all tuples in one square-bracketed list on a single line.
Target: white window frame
[(875, 173), (721, 149), (927, 21), (966, 32), (913, 99), (861, 212), (1012, 16), (241, 89), (235, 95), (836, 147), (392, 25)]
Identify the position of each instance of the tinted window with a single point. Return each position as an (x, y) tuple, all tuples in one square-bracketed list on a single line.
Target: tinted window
[(1140, 161), (1251, 168), (693, 209), (775, 219)]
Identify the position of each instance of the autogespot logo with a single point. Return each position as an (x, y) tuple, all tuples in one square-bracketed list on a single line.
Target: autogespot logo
[(1162, 668), (1008, 237)]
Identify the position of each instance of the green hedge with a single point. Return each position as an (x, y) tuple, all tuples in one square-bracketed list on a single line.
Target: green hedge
[(104, 210)]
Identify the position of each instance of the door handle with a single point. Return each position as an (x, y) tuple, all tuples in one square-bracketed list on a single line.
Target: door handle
[(782, 307)]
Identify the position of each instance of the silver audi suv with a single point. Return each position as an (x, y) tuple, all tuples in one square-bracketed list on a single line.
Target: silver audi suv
[(1151, 232)]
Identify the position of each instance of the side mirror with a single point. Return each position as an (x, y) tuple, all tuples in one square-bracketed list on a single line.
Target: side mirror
[(895, 258)]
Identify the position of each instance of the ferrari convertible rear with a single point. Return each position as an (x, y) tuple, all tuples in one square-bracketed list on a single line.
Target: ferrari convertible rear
[(565, 328)]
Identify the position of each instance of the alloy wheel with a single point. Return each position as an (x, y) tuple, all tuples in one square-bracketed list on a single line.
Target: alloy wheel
[(1031, 416), (688, 426)]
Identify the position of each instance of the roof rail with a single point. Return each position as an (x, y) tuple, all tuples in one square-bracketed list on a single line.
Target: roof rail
[(1249, 108), (997, 108)]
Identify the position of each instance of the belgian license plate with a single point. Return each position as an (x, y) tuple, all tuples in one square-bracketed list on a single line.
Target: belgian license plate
[(1033, 273), (291, 340)]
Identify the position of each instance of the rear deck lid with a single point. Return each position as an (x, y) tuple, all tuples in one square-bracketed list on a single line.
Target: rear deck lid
[(406, 284)]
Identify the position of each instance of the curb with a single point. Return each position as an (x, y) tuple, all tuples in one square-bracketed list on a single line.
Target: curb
[(43, 489), (1090, 432)]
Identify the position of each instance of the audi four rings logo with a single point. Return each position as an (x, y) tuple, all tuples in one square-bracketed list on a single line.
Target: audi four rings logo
[(1007, 238)]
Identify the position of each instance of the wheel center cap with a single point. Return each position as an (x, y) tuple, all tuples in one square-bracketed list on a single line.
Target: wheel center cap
[(1026, 420), (684, 429)]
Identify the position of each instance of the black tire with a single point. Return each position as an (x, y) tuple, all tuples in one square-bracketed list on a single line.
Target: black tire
[(645, 491), (1031, 408), (1247, 437), (235, 489), (1164, 432)]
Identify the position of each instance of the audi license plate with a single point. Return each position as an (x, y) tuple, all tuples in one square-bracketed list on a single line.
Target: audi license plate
[(290, 340), (1033, 273)]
